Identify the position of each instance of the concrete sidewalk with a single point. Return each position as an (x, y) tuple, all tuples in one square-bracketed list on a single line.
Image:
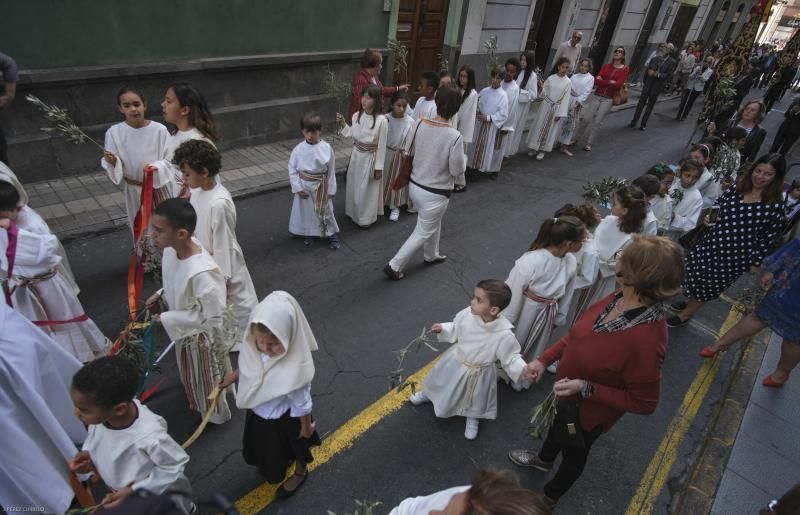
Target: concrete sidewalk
[(765, 459), (91, 203)]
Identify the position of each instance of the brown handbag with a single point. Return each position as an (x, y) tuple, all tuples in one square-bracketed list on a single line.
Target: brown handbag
[(621, 95), (406, 164)]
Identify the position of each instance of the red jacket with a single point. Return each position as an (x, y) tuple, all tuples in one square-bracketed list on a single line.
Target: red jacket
[(361, 80), (606, 74), (624, 367)]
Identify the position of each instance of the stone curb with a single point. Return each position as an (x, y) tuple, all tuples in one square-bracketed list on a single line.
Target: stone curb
[(705, 476)]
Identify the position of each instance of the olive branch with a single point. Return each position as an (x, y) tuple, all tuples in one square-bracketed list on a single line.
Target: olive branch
[(426, 338), (59, 120)]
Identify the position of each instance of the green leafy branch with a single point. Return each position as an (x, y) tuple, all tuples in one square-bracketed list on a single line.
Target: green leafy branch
[(426, 338), (600, 192), (400, 54), (363, 508), (59, 120), (542, 417), (491, 51)]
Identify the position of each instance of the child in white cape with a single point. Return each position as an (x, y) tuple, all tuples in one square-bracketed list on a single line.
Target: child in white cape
[(464, 381), (275, 373), (687, 201)]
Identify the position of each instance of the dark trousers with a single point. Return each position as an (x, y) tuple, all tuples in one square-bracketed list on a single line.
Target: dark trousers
[(784, 139), (772, 95), (687, 101), (650, 91), (573, 461), (3, 146)]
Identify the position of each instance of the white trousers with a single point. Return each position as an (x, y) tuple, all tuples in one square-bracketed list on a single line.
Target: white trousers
[(430, 211)]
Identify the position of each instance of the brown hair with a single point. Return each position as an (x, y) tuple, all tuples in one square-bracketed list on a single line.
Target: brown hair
[(200, 115), (591, 64), (448, 100), (773, 192), (557, 230), (690, 163), (761, 113), (633, 199), (497, 291), (376, 94), (498, 71), (498, 492), (311, 122), (653, 266), (371, 58), (586, 213)]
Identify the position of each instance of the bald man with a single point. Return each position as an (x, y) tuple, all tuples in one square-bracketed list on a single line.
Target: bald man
[(571, 49)]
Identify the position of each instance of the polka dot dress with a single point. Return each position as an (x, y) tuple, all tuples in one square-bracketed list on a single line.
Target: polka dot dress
[(743, 235)]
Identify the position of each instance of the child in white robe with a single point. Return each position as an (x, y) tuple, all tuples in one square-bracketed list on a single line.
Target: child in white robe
[(200, 163), (128, 445), (511, 88), (651, 186), (31, 221), (483, 153), (542, 283), (582, 86), (401, 127), (687, 201), (466, 116), (40, 429), (528, 83), (196, 315), (189, 117), (464, 381), (275, 372), (555, 104), (425, 107), (364, 195), (37, 291), (661, 205), (708, 185), (615, 232), (312, 177), (132, 145)]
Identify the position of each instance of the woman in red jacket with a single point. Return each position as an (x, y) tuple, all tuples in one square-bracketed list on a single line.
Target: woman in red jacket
[(370, 73), (611, 78), (611, 359)]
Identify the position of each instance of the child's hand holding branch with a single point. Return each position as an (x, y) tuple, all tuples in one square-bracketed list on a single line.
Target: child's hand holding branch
[(110, 158), (307, 427), (115, 498), (340, 120), (229, 379), (81, 463), (436, 328)]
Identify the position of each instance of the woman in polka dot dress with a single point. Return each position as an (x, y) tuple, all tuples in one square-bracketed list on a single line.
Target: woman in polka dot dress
[(750, 220)]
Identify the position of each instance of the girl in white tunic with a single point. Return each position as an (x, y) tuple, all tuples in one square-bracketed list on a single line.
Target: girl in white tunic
[(30, 220), (582, 86), (483, 153), (528, 84), (555, 104), (312, 176), (401, 127), (275, 372), (464, 381), (38, 292), (368, 129), (186, 110), (542, 283), (661, 205), (216, 226), (687, 201), (615, 232), (128, 445), (132, 145), (466, 115)]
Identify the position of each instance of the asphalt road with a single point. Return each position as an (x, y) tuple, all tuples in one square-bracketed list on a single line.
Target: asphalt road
[(359, 317)]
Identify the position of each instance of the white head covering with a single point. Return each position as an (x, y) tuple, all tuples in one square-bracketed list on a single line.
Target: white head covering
[(6, 175), (261, 381)]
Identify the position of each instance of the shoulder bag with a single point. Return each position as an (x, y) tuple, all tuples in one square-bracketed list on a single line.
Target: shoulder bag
[(621, 95), (406, 164)]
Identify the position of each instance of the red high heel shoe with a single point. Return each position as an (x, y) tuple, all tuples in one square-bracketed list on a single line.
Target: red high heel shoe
[(708, 352), (771, 383)]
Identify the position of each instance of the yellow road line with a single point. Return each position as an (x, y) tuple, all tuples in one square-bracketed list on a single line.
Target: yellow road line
[(342, 439), (655, 477)]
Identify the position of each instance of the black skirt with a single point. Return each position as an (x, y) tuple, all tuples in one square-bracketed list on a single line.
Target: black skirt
[(272, 445)]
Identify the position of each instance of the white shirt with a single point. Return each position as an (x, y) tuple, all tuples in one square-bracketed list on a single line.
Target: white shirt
[(298, 402), (423, 505)]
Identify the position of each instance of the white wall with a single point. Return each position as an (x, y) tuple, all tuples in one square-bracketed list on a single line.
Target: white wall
[(703, 11), (629, 25), (507, 19)]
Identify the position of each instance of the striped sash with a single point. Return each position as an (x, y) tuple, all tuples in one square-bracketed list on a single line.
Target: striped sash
[(30, 284), (480, 145), (365, 148), (320, 197), (542, 326)]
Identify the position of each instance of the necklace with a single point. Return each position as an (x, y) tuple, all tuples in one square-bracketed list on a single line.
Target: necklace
[(617, 309)]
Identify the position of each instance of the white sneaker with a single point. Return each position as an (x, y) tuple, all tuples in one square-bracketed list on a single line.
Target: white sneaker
[(471, 430), (540, 156), (553, 368), (418, 398), (411, 210), (394, 215)]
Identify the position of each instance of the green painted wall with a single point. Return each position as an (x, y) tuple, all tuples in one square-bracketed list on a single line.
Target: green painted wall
[(56, 33)]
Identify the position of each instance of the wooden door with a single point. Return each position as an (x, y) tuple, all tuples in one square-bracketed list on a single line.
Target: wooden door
[(420, 27)]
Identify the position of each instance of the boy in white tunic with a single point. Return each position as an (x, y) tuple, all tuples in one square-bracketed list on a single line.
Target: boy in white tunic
[(464, 381), (511, 88), (483, 153), (687, 201), (194, 294), (128, 445), (37, 291), (312, 176), (661, 205), (200, 163), (425, 108), (554, 108)]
